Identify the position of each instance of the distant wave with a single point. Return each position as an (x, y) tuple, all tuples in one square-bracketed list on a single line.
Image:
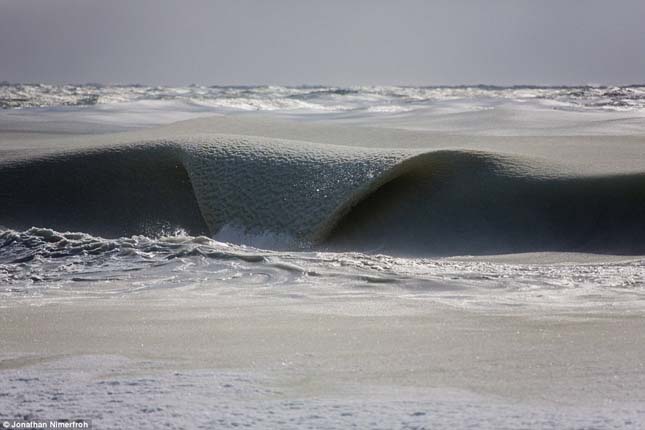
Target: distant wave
[(320, 99), (446, 202)]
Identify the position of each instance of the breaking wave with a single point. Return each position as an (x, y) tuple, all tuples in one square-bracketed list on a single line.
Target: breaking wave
[(449, 202)]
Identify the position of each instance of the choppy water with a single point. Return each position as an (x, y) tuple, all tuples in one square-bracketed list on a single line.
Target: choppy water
[(49, 265), (322, 99)]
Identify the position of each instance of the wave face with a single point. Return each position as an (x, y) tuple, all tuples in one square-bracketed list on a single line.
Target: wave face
[(114, 192), (443, 202), (458, 203), (320, 99)]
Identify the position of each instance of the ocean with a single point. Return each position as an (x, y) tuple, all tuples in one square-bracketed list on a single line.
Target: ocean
[(271, 239)]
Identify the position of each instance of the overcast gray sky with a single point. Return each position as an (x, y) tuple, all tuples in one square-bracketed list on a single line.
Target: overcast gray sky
[(338, 42)]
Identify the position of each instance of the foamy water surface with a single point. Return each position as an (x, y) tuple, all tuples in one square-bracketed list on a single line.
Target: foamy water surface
[(49, 266)]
